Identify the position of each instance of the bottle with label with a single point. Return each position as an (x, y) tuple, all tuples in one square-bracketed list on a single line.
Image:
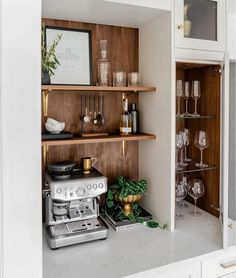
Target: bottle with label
[(125, 121), (135, 118), (104, 66)]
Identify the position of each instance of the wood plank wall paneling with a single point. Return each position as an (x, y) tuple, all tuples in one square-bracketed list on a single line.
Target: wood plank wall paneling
[(123, 54), (208, 104)]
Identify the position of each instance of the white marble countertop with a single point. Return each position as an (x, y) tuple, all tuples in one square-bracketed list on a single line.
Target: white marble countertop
[(134, 250)]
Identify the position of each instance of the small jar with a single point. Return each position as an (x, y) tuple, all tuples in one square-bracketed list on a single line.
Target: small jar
[(119, 79), (134, 79)]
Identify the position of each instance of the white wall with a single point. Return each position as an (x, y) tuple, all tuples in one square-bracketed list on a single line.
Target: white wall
[(155, 160), (21, 230)]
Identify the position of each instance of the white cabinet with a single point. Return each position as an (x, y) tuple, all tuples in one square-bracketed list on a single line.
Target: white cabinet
[(220, 265), (155, 4), (200, 24), (181, 270), (232, 37)]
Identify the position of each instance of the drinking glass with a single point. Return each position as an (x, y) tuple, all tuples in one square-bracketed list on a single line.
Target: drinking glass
[(134, 79), (196, 94), (179, 95), (201, 142), (196, 190), (184, 179), (182, 163), (178, 146), (180, 194), (186, 143), (187, 97)]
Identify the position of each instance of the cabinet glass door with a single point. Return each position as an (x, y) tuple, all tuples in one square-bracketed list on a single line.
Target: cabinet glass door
[(200, 19), (200, 24)]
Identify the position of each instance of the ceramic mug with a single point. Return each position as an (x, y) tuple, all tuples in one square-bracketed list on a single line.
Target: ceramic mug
[(87, 164)]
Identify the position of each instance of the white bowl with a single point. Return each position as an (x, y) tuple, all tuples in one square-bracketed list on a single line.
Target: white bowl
[(54, 126)]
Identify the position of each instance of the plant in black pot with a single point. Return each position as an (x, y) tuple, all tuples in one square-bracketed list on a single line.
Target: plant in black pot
[(49, 60)]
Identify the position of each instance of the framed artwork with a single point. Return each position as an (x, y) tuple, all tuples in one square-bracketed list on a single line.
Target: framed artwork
[(74, 52)]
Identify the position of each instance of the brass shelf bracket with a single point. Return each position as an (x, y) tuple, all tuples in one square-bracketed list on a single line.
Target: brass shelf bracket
[(45, 154), (124, 148), (45, 102)]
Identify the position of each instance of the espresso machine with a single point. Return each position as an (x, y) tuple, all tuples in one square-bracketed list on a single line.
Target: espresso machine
[(72, 208)]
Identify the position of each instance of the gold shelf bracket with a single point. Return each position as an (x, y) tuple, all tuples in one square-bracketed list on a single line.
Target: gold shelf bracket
[(124, 148), (45, 154), (45, 102)]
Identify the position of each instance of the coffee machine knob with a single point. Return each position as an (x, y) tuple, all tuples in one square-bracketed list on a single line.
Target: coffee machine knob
[(59, 190), (80, 191)]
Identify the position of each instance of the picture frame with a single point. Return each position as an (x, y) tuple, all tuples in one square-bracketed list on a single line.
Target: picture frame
[(74, 52)]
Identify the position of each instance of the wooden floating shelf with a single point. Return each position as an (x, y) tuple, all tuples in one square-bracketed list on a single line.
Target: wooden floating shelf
[(99, 139), (51, 88)]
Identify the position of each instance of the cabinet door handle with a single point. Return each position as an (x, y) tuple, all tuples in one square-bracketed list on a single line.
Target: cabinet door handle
[(228, 265), (180, 26)]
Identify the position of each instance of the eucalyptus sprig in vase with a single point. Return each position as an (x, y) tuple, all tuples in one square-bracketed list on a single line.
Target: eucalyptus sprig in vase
[(49, 61)]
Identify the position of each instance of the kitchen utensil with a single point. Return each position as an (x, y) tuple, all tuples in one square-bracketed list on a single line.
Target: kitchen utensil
[(86, 118), (94, 111), (99, 115)]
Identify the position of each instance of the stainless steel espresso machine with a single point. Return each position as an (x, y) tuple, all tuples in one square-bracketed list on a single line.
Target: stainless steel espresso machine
[(72, 208)]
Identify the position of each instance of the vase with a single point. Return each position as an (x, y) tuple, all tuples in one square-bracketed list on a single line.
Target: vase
[(187, 22), (45, 78)]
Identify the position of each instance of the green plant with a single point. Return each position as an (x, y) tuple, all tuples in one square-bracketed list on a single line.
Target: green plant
[(121, 189), (49, 60)]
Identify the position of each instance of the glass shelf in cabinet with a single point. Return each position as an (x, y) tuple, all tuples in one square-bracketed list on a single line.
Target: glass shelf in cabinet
[(195, 118), (191, 168)]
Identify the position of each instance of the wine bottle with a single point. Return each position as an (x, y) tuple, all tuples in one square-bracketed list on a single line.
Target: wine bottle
[(134, 118), (125, 121)]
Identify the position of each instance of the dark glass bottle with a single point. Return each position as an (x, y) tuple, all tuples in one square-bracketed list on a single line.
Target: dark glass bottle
[(135, 118)]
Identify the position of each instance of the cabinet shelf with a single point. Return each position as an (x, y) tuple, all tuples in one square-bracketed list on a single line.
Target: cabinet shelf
[(99, 139), (195, 118), (50, 88), (191, 168)]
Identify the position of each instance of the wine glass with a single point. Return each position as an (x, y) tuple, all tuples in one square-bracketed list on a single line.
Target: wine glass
[(180, 194), (186, 143), (201, 142), (196, 94), (183, 179), (186, 96), (196, 190), (178, 146), (179, 95), (182, 163)]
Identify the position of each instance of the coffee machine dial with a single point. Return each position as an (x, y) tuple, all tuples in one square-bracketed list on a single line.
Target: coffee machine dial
[(80, 191)]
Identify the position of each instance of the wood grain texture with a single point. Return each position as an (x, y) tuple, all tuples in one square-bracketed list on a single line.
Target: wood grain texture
[(99, 139), (208, 104), (97, 88), (64, 106)]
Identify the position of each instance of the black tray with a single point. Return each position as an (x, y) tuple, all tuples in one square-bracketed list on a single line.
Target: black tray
[(62, 135)]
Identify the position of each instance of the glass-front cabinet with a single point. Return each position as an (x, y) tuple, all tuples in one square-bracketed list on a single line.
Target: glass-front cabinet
[(200, 24)]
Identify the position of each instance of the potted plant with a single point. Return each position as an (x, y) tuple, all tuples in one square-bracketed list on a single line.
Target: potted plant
[(123, 199), (49, 60)]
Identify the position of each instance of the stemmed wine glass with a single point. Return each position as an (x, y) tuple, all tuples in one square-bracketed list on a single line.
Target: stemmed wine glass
[(186, 143), (196, 94), (186, 96), (179, 95), (201, 142), (196, 190), (183, 179), (181, 162), (180, 194), (178, 146)]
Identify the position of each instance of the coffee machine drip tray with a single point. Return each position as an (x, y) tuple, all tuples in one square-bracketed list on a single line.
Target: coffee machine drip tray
[(76, 232)]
